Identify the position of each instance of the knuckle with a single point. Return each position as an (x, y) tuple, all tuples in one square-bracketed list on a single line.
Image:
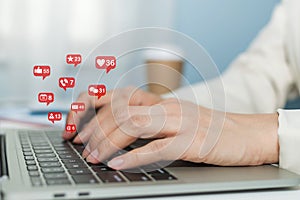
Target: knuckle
[(120, 114), (140, 121), (157, 148), (82, 95)]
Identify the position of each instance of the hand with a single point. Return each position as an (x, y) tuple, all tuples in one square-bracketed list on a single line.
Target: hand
[(91, 119), (183, 132)]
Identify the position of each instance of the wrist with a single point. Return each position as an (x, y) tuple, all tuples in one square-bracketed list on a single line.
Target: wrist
[(262, 142)]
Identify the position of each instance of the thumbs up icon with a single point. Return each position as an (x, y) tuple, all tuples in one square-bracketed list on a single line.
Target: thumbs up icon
[(38, 70)]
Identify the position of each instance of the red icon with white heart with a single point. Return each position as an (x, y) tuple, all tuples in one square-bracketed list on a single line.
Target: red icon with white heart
[(105, 62)]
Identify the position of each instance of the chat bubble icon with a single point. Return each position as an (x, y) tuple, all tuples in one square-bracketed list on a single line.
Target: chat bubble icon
[(73, 59), (70, 128), (46, 97), (41, 71), (97, 90), (54, 116), (77, 106), (105, 62), (66, 82)]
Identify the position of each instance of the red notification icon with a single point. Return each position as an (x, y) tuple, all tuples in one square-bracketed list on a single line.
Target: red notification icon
[(66, 82), (106, 62), (54, 116), (46, 97), (41, 70), (97, 90), (70, 128), (77, 106), (73, 59)]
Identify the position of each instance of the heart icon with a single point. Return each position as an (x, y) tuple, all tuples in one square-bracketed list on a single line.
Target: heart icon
[(100, 62)]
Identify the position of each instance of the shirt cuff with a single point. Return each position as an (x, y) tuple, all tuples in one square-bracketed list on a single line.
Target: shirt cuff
[(289, 139)]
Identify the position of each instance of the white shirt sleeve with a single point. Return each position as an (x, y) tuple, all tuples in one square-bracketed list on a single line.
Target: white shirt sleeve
[(260, 81), (289, 139)]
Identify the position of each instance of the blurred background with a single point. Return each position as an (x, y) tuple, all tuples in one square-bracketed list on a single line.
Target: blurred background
[(42, 32)]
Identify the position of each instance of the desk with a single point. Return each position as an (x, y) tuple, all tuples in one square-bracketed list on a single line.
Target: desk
[(275, 194)]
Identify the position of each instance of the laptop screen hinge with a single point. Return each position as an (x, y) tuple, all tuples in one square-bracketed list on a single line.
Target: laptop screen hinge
[(3, 158)]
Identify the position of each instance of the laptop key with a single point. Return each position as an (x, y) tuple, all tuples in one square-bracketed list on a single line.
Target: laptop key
[(62, 148), (47, 155), (110, 177), (162, 177), (61, 152), (36, 181), (42, 148), (30, 162), (79, 148), (32, 168), (80, 171), (136, 176), (65, 161), (47, 159), (50, 164), (39, 151), (29, 158), (53, 170), (90, 179), (61, 145), (75, 165), (56, 176), (58, 182), (100, 169), (33, 173), (68, 156), (26, 149), (28, 153)]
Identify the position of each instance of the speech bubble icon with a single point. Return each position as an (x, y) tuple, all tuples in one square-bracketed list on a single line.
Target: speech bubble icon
[(106, 62), (66, 82), (41, 71), (97, 90), (77, 106), (54, 116), (70, 128), (46, 97), (73, 59)]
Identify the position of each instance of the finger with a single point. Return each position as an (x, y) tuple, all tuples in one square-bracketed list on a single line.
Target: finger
[(152, 152), (102, 131), (113, 142), (75, 118), (108, 121), (102, 115), (136, 126), (91, 103)]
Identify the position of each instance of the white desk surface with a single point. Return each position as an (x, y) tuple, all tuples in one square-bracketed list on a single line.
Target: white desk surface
[(275, 194)]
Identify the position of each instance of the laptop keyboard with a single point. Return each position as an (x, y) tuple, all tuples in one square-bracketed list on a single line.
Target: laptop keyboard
[(52, 161)]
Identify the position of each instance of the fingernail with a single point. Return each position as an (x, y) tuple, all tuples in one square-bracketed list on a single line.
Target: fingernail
[(91, 159), (77, 140), (116, 162), (85, 153)]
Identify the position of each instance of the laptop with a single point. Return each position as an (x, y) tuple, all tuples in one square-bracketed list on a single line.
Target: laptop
[(40, 165)]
